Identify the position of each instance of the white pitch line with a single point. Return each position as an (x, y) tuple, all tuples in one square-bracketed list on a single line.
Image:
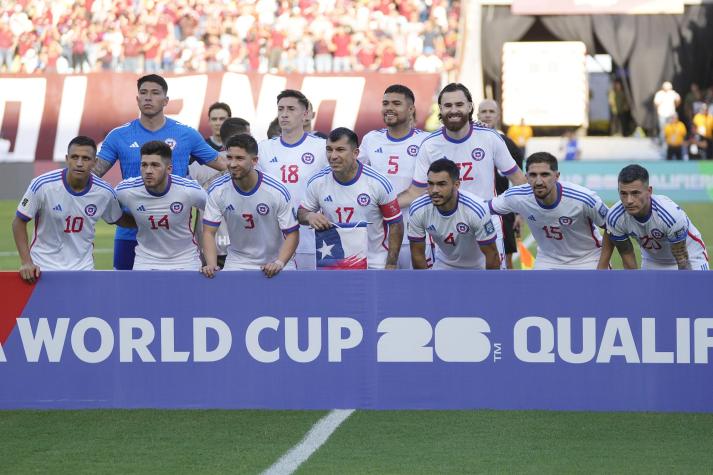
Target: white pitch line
[(96, 251), (529, 241), (313, 440)]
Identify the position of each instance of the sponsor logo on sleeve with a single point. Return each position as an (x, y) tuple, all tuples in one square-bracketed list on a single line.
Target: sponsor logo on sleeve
[(489, 228), (603, 210)]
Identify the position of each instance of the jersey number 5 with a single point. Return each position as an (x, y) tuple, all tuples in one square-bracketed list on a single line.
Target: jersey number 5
[(161, 223), (393, 165)]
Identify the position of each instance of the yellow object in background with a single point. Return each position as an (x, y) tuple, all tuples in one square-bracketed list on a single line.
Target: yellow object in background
[(527, 260)]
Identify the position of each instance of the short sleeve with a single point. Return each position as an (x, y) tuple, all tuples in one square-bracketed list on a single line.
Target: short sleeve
[(501, 155), (615, 227), (420, 171), (364, 150), (598, 213), (213, 214), (286, 216), (112, 212), (109, 149), (29, 204), (416, 231), (200, 149), (678, 231), (501, 205), (310, 200), (388, 204), (199, 197), (484, 229)]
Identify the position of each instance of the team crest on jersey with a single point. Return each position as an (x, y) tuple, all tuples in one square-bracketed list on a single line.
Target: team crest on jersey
[(90, 210), (363, 199), (176, 207), (489, 227), (565, 220), (262, 209), (171, 143), (412, 150), (307, 158), (603, 210), (478, 154), (462, 228), (657, 233)]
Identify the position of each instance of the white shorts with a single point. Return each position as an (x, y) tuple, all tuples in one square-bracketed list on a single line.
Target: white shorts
[(696, 264), (306, 261), (545, 264), (193, 264)]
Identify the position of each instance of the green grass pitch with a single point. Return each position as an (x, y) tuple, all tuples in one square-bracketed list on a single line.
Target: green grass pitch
[(381, 442)]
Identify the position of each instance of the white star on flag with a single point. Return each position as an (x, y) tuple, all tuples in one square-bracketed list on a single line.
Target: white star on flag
[(325, 250)]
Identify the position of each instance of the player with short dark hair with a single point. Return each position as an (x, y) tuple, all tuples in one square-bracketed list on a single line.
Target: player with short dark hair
[(666, 236), (124, 144), (477, 149), (349, 192), (162, 205), (563, 217), (292, 158), (218, 112), (256, 209), (457, 221), (66, 204), (392, 150), (233, 126)]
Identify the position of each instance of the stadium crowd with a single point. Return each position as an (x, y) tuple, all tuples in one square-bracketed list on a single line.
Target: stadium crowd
[(304, 36)]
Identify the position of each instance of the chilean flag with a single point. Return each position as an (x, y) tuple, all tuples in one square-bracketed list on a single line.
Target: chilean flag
[(342, 247)]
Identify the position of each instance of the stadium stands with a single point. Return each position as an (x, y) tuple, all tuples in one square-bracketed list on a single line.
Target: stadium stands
[(304, 36)]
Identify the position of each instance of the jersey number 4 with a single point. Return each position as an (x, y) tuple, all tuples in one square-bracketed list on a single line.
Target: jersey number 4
[(161, 223), (450, 240)]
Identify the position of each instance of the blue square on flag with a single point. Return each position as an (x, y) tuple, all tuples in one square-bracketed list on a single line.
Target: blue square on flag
[(342, 247)]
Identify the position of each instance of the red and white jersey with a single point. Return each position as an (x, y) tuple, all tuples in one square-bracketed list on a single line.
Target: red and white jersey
[(368, 197), (666, 224), (477, 155), (165, 235), (65, 220), (393, 158), (458, 234), (205, 175), (293, 165), (257, 220), (566, 232)]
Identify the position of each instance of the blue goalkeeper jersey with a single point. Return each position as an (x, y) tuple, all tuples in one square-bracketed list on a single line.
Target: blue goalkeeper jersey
[(124, 144)]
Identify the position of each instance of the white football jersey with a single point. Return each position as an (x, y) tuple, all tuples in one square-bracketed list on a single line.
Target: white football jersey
[(165, 235), (293, 165), (256, 220), (566, 232), (393, 158), (458, 235), (368, 197), (477, 155), (667, 224), (65, 220), (205, 175)]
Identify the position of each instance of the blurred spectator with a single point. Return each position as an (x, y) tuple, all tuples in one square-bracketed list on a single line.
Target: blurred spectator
[(520, 134), (619, 109), (702, 130), (569, 146), (666, 101), (675, 134), (305, 36), (691, 103)]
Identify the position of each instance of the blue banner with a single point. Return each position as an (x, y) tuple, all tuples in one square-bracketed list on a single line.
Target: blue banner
[(690, 181), (579, 340)]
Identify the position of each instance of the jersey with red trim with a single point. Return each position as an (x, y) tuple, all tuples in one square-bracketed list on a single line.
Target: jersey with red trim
[(458, 234), (205, 175), (65, 220), (566, 232), (165, 234), (368, 197), (293, 165), (666, 224), (257, 220), (393, 158), (477, 155)]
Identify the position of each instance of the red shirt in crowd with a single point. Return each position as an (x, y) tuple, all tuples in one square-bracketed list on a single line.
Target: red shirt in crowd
[(341, 44)]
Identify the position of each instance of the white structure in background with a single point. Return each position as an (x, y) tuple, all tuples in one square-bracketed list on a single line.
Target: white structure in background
[(545, 83)]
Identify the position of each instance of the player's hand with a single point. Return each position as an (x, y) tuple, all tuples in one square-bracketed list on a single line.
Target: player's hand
[(517, 226), (273, 268), (318, 221), (29, 272), (391, 266), (209, 271)]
